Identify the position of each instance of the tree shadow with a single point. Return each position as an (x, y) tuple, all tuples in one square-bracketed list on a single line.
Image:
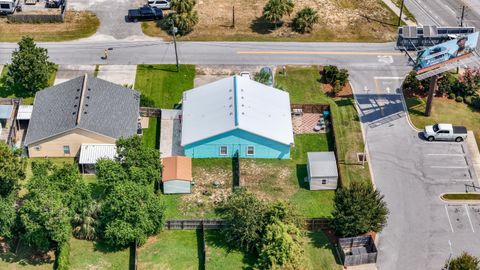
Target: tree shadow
[(167, 68), (264, 27), (26, 255), (215, 238), (200, 250), (320, 240), (301, 171), (104, 247), (344, 102)]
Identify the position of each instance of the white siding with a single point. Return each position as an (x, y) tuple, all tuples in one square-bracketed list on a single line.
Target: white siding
[(316, 183)]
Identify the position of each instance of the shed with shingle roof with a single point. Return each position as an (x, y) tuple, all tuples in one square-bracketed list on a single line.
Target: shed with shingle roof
[(177, 174), (84, 110)]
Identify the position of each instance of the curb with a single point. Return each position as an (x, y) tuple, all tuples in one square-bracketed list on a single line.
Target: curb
[(450, 201)]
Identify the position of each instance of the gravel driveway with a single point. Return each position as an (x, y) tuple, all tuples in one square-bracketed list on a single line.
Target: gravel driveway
[(112, 18)]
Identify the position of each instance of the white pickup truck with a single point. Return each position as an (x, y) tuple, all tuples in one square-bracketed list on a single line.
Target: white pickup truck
[(445, 132)]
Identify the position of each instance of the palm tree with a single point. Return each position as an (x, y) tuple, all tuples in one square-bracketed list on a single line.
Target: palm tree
[(305, 20), (274, 10), (182, 6), (185, 21), (86, 223)]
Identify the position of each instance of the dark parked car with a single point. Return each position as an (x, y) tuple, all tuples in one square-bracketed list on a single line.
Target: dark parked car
[(145, 13)]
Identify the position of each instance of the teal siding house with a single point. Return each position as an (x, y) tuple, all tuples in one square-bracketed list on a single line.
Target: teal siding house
[(236, 116)]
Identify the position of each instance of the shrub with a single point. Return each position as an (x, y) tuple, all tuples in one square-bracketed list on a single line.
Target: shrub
[(305, 20), (476, 102), (62, 257), (463, 262), (146, 101), (451, 96), (459, 99), (468, 100)]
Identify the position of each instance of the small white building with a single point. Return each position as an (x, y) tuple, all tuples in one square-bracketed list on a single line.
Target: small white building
[(322, 170)]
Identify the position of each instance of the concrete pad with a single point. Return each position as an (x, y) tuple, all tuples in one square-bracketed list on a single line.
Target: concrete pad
[(119, 74), (144, 122), (206, 79), (370, 266), (68, 72), (472, 147), (171, 134)]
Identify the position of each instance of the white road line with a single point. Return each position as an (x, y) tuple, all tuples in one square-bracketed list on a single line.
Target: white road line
[(449, 167), (452, 155), (468, 215), (388, 78), (448, 216)]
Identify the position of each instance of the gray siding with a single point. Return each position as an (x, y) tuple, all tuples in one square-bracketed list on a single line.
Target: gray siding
[(316, 183), (176, 187)]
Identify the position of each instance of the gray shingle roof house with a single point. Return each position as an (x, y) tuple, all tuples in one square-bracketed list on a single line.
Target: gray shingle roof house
[(82, 110)]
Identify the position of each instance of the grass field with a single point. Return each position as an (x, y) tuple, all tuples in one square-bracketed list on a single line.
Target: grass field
[(444, 111), (303, 85), (170, 250), (320, 253), (77, 25), (219, 256), (28, 100), (92, 255), (340, 20)]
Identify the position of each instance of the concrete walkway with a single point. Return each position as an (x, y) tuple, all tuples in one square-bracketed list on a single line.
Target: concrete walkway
[(474, 154), (119, 74), (170, 134), (396, 10), (370, 266), (68, 72)]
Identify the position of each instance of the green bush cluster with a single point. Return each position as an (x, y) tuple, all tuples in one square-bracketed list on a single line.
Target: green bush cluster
[(336, 77)]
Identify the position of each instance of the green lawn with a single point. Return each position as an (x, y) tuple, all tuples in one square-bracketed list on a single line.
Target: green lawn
[(303, 85), (163, 84), (320, 253), (28, 100), (444, 111), (219, 257), (170, 250), (92, 255), (151, 135)]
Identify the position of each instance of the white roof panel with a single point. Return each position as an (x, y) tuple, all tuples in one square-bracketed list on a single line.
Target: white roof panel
[(6, 111), (24, 112), (322, 164), (91, 153), (236, 102)]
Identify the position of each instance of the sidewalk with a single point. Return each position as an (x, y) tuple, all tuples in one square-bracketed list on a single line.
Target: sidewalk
[(396, 10), (370, 266), (474, 154)]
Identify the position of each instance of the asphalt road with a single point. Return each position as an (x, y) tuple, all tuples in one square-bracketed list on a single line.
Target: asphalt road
[(445, 12), (261, 53), (422, 230)]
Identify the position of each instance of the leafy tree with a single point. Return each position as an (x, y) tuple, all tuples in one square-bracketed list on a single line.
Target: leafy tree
[(30, 69), (109, 173), (280, 247), (447, 83), (274, 10), (12, 170), (469, 82), (87, 222), (131, 212), (358, 209), (463, 262), (305, 20), (44, 220), (7, 216)]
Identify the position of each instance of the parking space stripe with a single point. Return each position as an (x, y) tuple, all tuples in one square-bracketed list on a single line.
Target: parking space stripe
[(449, 167), (448, 216), (452, 155), (468, 215)]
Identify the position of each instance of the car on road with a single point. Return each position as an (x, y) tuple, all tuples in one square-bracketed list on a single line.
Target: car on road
[(445, 132), (145, 13), (161, 4)]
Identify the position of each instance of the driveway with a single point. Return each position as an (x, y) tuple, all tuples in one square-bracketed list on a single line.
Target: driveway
[(119, 74), (68, 72), (112, 18), (412, 173)]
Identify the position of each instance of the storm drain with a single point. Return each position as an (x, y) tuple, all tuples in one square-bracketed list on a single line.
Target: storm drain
[(361, 157)]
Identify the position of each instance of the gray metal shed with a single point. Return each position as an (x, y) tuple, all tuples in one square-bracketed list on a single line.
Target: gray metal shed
[(322, 170)]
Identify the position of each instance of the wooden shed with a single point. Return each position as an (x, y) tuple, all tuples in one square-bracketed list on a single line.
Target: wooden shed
[(322, 170), (177, 175)]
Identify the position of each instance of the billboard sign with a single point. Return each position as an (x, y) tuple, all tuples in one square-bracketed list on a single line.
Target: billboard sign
[(453, 50)]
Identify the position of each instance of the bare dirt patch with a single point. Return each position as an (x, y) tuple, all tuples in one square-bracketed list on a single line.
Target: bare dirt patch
[(78, 24), (341, 20)]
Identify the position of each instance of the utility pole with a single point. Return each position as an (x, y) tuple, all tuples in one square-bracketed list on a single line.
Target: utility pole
[(463, 14), (174, 33), (401, 13)]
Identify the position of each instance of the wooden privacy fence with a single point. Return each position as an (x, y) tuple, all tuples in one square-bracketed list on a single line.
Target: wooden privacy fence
[(357, 250), (150, 112), (316, 224), (194, 224)]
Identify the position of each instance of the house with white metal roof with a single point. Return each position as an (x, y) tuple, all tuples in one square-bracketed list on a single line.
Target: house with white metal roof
[(236, 116)]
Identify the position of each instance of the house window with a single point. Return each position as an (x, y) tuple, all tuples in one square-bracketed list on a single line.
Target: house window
[(324, 181), (223, 150), (66, 150), (250, 150)]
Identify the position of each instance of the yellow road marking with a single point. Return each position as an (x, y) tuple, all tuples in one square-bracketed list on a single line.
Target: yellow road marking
[(320, 53)]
